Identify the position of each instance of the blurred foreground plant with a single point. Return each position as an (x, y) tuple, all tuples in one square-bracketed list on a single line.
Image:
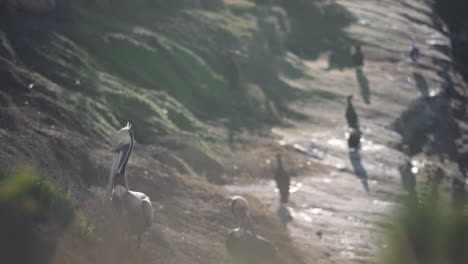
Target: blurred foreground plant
[(42, 201), (429, 231)]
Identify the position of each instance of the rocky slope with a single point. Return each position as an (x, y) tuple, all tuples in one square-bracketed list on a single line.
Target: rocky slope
[(192, 77), (203, 83)]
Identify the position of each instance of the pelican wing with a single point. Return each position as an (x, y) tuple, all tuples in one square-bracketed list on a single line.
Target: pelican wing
[(147, 212), (142, 201)]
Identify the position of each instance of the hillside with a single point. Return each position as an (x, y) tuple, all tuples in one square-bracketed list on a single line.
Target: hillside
[(211, 87), (191, 78)]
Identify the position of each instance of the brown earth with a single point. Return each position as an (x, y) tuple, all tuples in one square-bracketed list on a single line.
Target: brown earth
[(192, 217)]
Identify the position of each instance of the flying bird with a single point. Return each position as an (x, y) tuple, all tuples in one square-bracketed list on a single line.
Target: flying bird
[(135, 205), (243, 244)]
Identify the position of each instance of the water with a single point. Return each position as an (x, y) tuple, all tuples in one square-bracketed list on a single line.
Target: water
[(332, 208)]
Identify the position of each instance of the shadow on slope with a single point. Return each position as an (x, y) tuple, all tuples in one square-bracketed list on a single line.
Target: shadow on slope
[(319, 27)]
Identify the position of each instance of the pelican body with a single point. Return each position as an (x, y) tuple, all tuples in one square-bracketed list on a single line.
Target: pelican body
[(358, 56), (351, 115), (242, 243), (353, 132), (414, 53), (283, 182), (135, 205), (354, 138)]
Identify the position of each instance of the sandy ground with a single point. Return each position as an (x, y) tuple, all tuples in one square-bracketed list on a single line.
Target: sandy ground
[(332, 209)]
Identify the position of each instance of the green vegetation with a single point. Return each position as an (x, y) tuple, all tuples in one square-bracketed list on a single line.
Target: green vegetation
[(197, 74), (157, 71), (428, 231), (39, 199), (82, 227)]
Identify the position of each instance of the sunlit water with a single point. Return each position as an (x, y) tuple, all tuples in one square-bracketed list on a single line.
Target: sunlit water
[(334, 209)]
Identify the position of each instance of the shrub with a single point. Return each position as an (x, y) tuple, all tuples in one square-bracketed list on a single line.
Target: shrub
[(43, 201)]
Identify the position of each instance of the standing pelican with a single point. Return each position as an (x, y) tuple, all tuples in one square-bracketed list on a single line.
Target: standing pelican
[(408, 179), (351, 115), (354, 138), (242, 243), (282, 182), (353, 132), (137, 206), (358, 56), (414, 53)]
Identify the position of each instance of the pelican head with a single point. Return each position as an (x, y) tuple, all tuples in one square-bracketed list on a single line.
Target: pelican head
[(122, 145), (240, 209)]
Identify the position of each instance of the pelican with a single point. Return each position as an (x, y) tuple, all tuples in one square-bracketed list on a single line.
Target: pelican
[(136, 205), (351, 115), (358, 56), (408, 179), (353, 132), (282, 182), (354, 138), (414, 53), (242, 243)]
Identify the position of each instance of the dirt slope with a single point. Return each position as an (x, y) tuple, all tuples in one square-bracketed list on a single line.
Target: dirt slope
[(72, 77), (203, 83)]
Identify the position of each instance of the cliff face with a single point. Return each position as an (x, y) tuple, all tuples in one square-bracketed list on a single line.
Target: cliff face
[(193, 77), (33, 6)]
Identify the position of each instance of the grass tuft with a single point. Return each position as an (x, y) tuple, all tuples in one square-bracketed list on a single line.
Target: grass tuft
[(41, 199)]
